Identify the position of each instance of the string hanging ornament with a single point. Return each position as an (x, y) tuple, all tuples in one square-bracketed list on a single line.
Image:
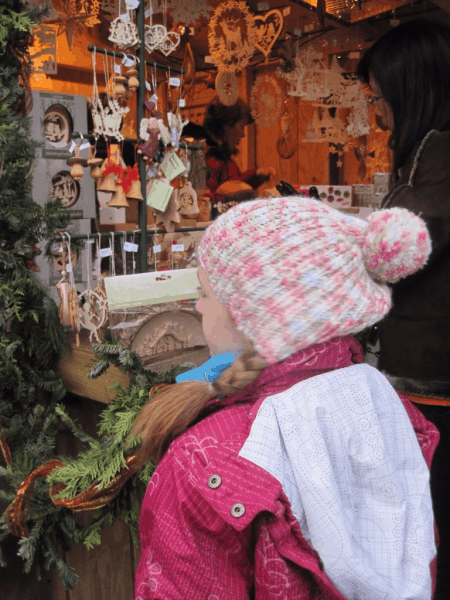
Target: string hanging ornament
[(268, 28), (266, 101), (310, 77), (123, 31), (232, 36), (108, 118), (156, 37), (227, 87), (71, 16)]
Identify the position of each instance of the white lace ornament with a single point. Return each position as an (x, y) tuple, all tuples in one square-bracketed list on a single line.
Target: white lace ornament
[(268, 28), (266, 101), (123, 31), (232, 36), (310, 77), (154, 35), (227, 87), (189, 12)]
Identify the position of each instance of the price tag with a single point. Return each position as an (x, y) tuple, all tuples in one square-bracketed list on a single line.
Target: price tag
[(68, 268), (132, 3), (72, 146), (297, 32), (85, 145), (148, 12), (60, 249), (88, 242), (263, 6), (177, 247), (129, 247), (118, 69), (208, 59), (157, 249), (182, 102), (159, 195), (354, 54), (172, 166), (154, 98), (148, 86), (175, 81), (105, 252), (286, 11), (127, 61), (124, 17)]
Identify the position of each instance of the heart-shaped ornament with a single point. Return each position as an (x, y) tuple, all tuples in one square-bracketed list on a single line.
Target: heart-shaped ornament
[(268, 28), (169, 43), (154, 35)]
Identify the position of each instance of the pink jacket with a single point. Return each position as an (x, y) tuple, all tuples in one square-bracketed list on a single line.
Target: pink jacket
[(215, 526)]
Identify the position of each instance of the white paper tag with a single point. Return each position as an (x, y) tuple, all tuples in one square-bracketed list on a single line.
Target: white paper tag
[(130, 247), (72, 146), (148, 86), (68, 268), (263, 6), (182, 102), (118, 69), (88, 242), (208, 59), (148, 12), (172, 166), (132, 3), (157, 249), (85, 145), (60, 249), (177, 247), (124, 17), (105, 252), (286, 11), (159, 195), (128, 62), (297, 32), (175, 81), (354, 54), (154, 98)]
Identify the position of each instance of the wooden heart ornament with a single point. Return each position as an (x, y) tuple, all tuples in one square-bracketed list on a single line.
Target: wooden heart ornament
[(268, 28)]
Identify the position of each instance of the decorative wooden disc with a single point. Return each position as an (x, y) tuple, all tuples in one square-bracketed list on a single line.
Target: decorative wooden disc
[(227, 87)]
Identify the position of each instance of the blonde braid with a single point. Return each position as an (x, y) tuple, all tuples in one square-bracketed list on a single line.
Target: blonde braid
[(170, 412)]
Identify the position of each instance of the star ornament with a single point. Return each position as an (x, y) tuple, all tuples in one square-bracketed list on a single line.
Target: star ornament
[(70, 20)]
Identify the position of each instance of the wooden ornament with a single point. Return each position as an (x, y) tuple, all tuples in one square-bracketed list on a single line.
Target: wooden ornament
[(268, 28), (204, 206), (119, 86), (132, 79), (227, 87), (108, 184), (95, 164), (188, 201), (77, 163), (135, 191), (119, 199)]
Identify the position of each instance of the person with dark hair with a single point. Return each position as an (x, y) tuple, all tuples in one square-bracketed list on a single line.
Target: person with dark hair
[(224, 127), (408, 72)]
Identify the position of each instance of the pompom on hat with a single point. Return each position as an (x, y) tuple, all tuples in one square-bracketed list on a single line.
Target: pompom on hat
[(293, 272)]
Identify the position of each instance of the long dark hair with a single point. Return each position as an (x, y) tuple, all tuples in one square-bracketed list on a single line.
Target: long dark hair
[(217, 116), (411, 66)]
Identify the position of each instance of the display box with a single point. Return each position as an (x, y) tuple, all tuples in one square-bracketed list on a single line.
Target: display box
[(53, 119), (337, 196), (52, 179)]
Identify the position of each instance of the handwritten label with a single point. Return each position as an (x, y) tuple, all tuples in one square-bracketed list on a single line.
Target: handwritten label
[(175, 81), (159, 195), (129, 247), (182, 102), (157, 249), (105, 252), (118, 69), (132, 3), (172, 166), (177, 247)]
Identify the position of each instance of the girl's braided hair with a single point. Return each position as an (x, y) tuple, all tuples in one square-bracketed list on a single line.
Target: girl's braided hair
[(172, 410)]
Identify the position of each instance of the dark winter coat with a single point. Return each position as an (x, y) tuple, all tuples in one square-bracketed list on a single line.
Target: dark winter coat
[(415, 335)]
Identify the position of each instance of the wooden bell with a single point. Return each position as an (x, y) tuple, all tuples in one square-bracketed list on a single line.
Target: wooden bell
[(132, 79), (119, 87), (77, 163), (119, 199), (108, 184), (94, 164), (135, 191)]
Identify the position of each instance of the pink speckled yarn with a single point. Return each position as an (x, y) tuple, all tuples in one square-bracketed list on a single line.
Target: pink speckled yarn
[(293, 272)]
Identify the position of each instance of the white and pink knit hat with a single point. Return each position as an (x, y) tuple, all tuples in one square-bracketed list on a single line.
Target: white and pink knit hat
[(293, 272)]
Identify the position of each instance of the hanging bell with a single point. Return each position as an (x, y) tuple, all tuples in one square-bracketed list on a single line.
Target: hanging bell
[(132, 78), (94, 164), (77, 163), (119, 86), (108, 184), (119, 198), (135, 191)]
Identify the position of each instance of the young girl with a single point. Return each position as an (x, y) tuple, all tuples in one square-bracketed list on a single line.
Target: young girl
[(294, 471)]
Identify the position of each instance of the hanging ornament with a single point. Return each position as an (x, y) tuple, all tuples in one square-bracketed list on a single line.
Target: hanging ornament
[(188, 67), (154, 36), (95, 164), (119, 89), (132, 79), (189, 12), (266, 101), (134, 193), (232, 36), (77, 163), (187, 197), (71, 21), (67, 291), (268, 29), (123, 31), (119, 199), (309, 78), (227, 87), (286, 143)]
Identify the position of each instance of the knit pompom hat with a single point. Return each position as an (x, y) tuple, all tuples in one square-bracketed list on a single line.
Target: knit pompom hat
[(293, 272)]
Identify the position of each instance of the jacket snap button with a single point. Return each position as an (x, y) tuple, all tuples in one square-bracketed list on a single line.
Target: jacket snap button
[(237, 510), (214, 481)]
